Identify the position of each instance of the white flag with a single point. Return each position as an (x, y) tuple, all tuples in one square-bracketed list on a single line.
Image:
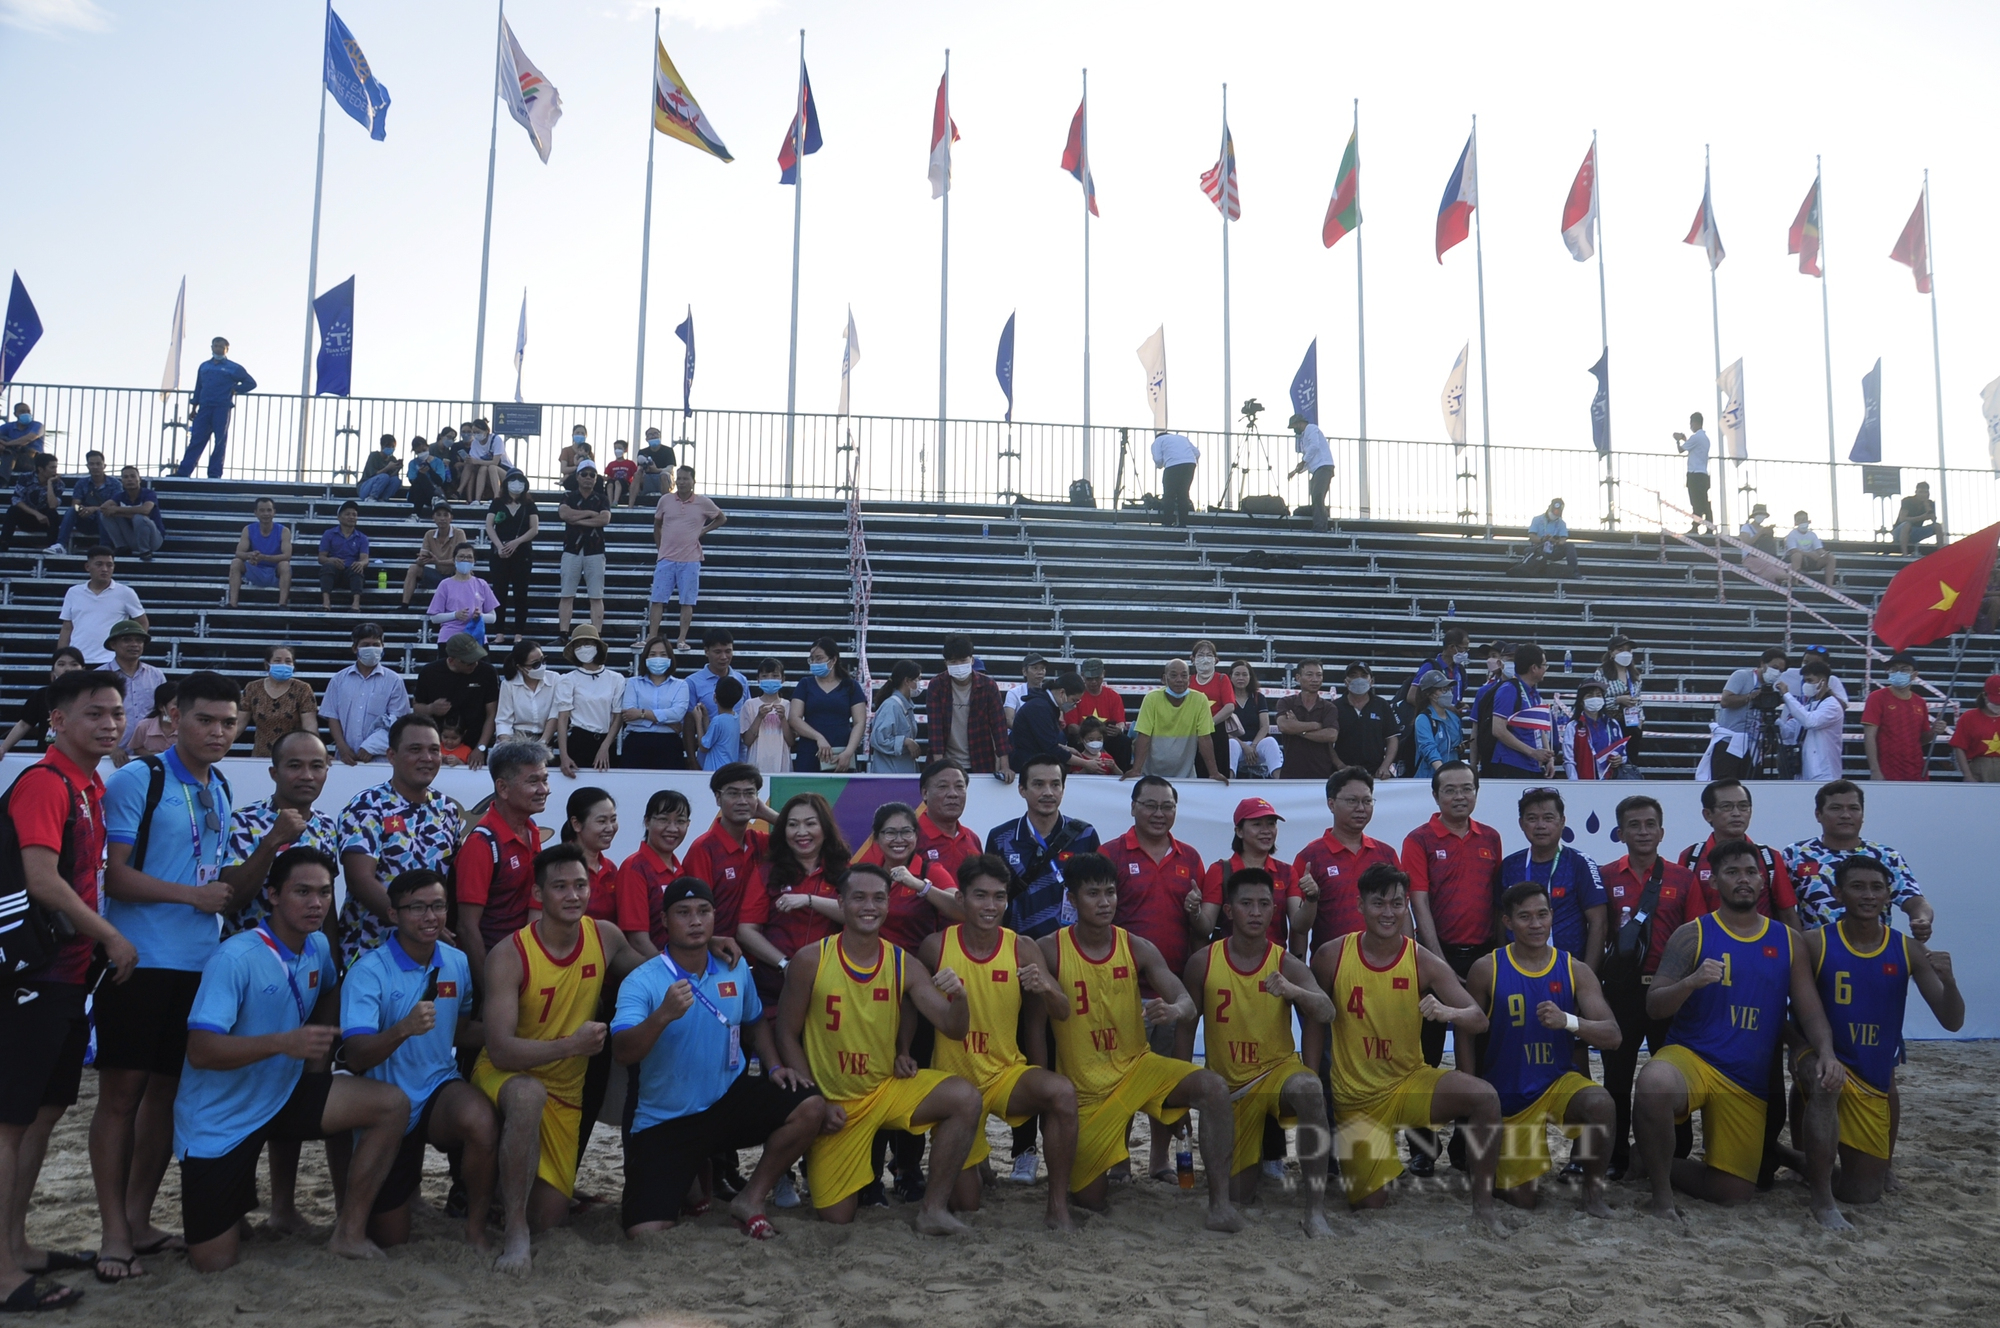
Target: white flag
[(1731, 384), (531, 99), (848, 359), (1989, 404), (521, 343), (1453, 400), (170, 381), (1153, 355)]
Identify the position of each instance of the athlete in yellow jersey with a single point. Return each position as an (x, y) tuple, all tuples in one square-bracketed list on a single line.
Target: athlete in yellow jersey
[(837, 1023), (540, 1012), (1247, 986), (1101, 1044), (1010, 1078), (1384, 986)]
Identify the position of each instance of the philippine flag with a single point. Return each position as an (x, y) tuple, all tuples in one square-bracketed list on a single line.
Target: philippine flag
[(1580, 210), (1461, 196), (944, 133)]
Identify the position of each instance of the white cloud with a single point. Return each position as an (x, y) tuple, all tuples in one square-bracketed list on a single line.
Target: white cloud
[(54, 16), (714, 15)]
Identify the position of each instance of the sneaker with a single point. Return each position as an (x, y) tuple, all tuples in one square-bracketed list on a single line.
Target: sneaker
[(785, 1194), (1274, 1169), (873, 1195), (56, 551), (1025, 1168), (909, 1189)]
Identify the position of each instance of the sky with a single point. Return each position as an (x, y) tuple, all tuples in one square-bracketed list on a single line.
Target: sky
[(161, 139)]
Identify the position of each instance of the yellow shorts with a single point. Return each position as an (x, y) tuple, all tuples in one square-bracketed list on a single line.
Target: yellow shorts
[(560, 1123), (1864, 1114), (1732, 1118), (838, 1165), (1364, 1132), (1102, 1121), (994, 1094), (1524, 1136), (1262, 1099)]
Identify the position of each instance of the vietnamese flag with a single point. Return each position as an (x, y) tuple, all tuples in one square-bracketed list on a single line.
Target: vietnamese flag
[(1938, 594), (1343, 212)]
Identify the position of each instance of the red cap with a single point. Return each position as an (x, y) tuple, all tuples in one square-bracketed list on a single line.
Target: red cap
[(1993, 689), (1252, 808)]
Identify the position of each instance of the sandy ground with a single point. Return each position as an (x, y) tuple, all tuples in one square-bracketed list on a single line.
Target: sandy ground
[(1930, 1254)]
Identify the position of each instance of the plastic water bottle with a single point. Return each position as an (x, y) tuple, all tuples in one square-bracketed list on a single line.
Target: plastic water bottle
[(1569, 662), (1184, 1164), (985, 530), (1451, 608), (382, 579)]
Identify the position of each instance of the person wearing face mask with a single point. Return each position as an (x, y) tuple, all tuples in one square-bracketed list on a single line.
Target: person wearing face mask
[(527, 705), (578, 449), (1806, 552), (343, 559), (968, 724), (892, 734), (463, 603), (1619, 672), (1369, 731), (652, 712), (656, 464), (1897, 726), (279, 703), (363, 700), (429, 471), (1735, 733), (1214, 684), (587, 705), (1499, 669), (620, 474), (485, 463), (462, 687), (1548, 544), (381, 479), (1439, 733), (1453, 660), (1174, 732), (829, 713), (765, 722), (1975, 739), (1820, 717), (511, 527), (1597, 745), (585, 513)]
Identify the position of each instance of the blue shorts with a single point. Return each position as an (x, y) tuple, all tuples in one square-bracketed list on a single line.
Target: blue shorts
[(259, 574), (670, 577)]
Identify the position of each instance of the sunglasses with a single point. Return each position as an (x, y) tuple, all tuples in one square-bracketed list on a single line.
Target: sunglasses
[(206, 800)]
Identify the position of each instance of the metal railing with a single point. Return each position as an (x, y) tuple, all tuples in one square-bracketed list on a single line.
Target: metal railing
[(985, 461)]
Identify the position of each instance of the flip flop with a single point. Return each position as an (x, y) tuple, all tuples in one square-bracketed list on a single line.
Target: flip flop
[(129, 1264), (757, 1228), (697, 1209), (38, 1294), (63, 1261), (161, 1246)]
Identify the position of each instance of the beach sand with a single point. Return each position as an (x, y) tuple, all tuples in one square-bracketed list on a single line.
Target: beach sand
[(1930, 1254)]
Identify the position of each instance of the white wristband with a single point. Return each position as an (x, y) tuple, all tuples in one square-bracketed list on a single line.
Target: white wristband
[(1572, 1022)]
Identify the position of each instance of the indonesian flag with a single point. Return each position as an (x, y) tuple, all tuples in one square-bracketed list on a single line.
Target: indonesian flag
[(1461, 196), (1076, 155), (1804, 239), (1704, 232), (1913, 248), (1343, 212), (1937, 594), (1580, 210), (1219, 181), (944, 133)]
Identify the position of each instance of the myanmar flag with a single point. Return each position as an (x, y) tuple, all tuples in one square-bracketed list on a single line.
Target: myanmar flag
[(1343, 214), (1938, 594)]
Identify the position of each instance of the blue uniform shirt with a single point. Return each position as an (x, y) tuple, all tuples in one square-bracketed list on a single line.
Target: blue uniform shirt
[(385, 984), (1524, 1059), (252, 987), (689, 1068), (1735, 1024), (216, 382), (1865, 995), (180, 848), (1574, 885)]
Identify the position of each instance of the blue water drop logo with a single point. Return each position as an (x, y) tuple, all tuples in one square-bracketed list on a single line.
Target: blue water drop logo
[(1569, 835), (1592, 824)]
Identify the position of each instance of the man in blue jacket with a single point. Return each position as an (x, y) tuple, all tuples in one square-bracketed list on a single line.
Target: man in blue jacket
[(216, 384)]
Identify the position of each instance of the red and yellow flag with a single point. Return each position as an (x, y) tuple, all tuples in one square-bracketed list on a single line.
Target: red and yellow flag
[(1937, 594)]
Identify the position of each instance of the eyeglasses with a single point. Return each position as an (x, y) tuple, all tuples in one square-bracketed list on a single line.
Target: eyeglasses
[(1154, 807), (897, 832), (424, 910), (1356, 803), (206, 800)]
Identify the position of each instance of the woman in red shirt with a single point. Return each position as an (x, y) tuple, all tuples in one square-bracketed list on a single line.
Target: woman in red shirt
[(647, 872), (1214, 684), (1256, 845), (590, 821), (923, 889), (798, 905)]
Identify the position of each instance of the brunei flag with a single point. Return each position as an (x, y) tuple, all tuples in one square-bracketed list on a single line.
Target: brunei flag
[(1937, 594), (677, 114), (1343, 210)]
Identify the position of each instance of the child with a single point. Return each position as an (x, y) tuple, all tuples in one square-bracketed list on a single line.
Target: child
[(770, 751), (1090, 734), (621, 475), (722, 735), (452, 742), (155, 733)]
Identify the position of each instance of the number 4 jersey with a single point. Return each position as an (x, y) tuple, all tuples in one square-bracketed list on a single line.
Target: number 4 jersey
[(1377, 1030)]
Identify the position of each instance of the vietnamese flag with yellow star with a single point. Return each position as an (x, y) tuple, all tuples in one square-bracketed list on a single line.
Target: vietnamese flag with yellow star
[(1938, 594)]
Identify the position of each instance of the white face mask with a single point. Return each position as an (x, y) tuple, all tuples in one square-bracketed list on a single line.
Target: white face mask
[(1593, 704), (1204, 667), (1461, 659), (1507, 669), (1093, 746), (1623, 659), (959, 672), (1814, 688), (586, 654), (1360, 686), (533, 674), (368, 656), (1772, 675)]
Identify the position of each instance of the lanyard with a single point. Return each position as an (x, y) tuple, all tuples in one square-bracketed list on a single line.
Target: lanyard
[(1053, 867), (189, 802), (1554, 863), (278, 953), (694, 985)]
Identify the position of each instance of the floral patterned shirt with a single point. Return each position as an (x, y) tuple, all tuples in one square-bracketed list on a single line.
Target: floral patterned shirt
[(401, 836), (1812, 864), (247, 828)]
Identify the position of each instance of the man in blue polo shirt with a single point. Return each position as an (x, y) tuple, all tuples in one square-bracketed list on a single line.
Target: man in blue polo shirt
[(217, 380), (681, 1019), (1576, 888), (265, 1010), (404, 1007)]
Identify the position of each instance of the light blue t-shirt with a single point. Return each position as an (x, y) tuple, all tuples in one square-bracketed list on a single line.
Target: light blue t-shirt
[(174, 936), (252, 987), (701, 689), (689, 1067), (722, 744), (385, 984)]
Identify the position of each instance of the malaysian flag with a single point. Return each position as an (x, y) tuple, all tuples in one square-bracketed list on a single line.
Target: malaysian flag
[(1219, 182)]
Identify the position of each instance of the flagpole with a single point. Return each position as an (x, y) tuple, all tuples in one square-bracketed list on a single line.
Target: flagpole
[(646, 231), (1485, 417), (1085, 146), (312, 263), (1604, 335), (1721, 453), (944, 276), (1228, 461), (798, 212), (1937, 364), (486, 236), (1361, 321), (1826, 340)]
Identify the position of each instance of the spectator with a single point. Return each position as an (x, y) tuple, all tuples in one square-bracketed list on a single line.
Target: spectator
[(1454, 654), (91, 610), (798, 905), (527, 708), (722, 734), (1254, 846), (1205, 678), (485, 465), (1806, 552), (620, 474), (1089, 743), (767, 719), (1793, 679), (462, 605), (1619, 671), (1250, 732), (1328, 870), (719, 646), (217, 381), (1548, 544), (1896, 725), (1440, 734), (434, 559), (429, 473), (1735, 735), (364, 700), (404, 824), (645, 875), (1038, 726), (892, 734), (679, 522), (1316, 459), (279, 703), (20, 443), (1820, 718), (1575, 888), (1173, 735), (1839, 807), (37, 507), (452, 746), (343, 559), (260, 831), (1727, 807), (829, 713), (1034, 675), (31, 730), (263, 554), (1595, 747), (577, 451), (131, 519), (1975, 739), (966, 717), (1308, 725), (153, 732), (380, 477), (86, 504), (1520, 723), (1757, 532), (656, 462), (1102, 703), (1916, 520), (652, 713), (940, 836), (461, 686), (495, 869), (1368, 731), (1175, 454), (128, 641), (461, 448), (587, 700), (585, 513), (1697, 445), (511, 527)]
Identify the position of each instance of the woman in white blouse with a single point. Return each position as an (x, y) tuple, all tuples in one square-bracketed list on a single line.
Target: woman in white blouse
[(527, 697), (587, 703)]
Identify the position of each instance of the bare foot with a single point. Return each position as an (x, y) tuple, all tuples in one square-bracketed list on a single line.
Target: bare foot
[(743, 1210), (1316, 1226), (476, 1237), (288, 1222), (516, 1259), (1488, 1220), (1101, 1206), (1830, 1219), (1891, 1182), (1222, 1217), (363, 1248), (1592, 1199), (1664, 1209), (1064, 1220), (939, 1224)]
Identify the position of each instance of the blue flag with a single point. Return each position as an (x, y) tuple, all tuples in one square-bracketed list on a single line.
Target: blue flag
[(1003, 366), (351, 82), (23, 329), (788, 155), (1600, 405), (335, 312), (1305, 385), (686, 333), (1868, 440)]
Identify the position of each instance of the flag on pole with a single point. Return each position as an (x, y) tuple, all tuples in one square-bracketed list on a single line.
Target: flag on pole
[(1461, 196), (675, 111), (1704, 232), (170, 377), (334, 372), (1003, 366), (1153, 356), (1868, 440), (1219, 181), (19, 334), (521, 344), (1305, 385), (1989, 406), (788, 154), (848, 359), (351, 82), (1731, 383), (1913, 249), (1804, 239), (944, 133), (686, 333), (1076, 156), (1600, 405), (531, 99), (1453, 400), (1343, 211), (1580, 210), (1938, 594)]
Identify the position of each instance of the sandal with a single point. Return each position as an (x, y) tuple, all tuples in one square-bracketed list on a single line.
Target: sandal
[(130, 1264), (63, 1261), (699, 1208), (38, 1294), (164, 1244), (757, 1228)]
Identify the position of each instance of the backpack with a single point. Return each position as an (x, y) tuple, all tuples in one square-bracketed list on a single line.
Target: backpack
[(31, 935), (1483, 741), (1081, 494), (156, 787)]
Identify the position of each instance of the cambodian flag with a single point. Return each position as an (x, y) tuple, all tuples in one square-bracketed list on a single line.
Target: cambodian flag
[(1461, 196), (1076, 155), (788, 155)]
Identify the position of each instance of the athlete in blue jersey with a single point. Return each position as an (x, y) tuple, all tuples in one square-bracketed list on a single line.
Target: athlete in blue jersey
[(1542, 1002), (1725, 981)]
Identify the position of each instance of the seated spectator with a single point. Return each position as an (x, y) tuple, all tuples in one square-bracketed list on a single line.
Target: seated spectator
[(766, 722), (585, 513), (578, 449), (1440, 733), (1037, 731), (1757, 532), (1806, 552), (1370, 734), (721, 741), (1034, 673), (20, 444), (1975, 739), (459, 449), (154, 733), (31, 730), (656, 462), (263, 555), (1174, 732), (363, 700), (967, 720), (1896, 725), (892, 734), (485, 464), (452, 746), (621, 475), (279, 702), (37, 506), (433, 562), (429, 472), (1253, 749), (462, 602), (829, 713), (1916, 521), (128, 641), (343, 559), (461, 686), (1817, 718), (131, 519), (1596, 746), (654, 712), (381, 480), (1104, 704), (527, 710), (86, 502), (1548, 541)]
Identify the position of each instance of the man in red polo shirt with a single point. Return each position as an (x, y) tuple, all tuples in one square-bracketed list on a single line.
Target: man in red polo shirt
[(494, 869), (1329, 868), (940, 838), (729, 855), (1725, 805)]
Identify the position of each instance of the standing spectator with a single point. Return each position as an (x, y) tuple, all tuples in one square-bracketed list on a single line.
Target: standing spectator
[(1440, 734), (1727, 807), (260, 831), (1838, 807), (620, 474), (1175, 454), (434, 559), (217, 382), (1206, 678), (20, 442), (37, 507), (585, 513), (721, 739), (656, 462), (1499, 669), (1104, 704), (1250, 729), (1896, 726), (343, 559), (1975, 739), (644, 876), (940, 836), (429, 473), (570, 458), (1806, 552), (719, 647), (154, 733), (653, 712), (1034, 675), (363, 700), (1520, 725), (1623, 688), (1596, 747), (1255, 846), (1174, 731), (1575, 888), (1454, 654), (263, 555), (966, 716), (764, 723), (495, 867), (1758, 533), (829, 712), (31, 730), (131, 519), (485, 463), (1308, 725), (381, 480), (1820, 717), (86, 504), (799, 903), (730, 854), (462, 605), (527, 706), (511, 527), (1327, 872), (1038, 728), (139, 680), (461, 688), (279, 702), (400, 825), (91, 610), (1696, 445), (1737, 732), (679, 522), (892, 735), (1916, 520), (587, 701), (1316, 459), (1368, 732)]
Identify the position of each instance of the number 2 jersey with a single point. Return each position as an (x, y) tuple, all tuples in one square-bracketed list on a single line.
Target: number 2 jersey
[(1735, 1024), (1249, 1030)]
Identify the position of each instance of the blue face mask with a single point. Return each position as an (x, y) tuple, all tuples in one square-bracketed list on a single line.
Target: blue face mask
[(768, 686), (1900, 678), (658, 664), (1177, 695), (281, 672), (821, 670)]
